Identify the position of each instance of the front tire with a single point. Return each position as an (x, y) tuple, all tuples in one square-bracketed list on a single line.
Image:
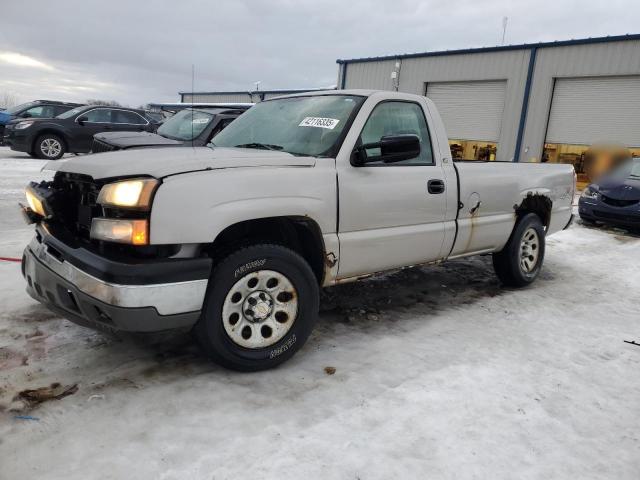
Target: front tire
[(260, 308), (49, 147), (519, 263)]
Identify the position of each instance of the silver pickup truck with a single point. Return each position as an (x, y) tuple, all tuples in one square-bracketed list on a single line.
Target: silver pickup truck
[(234, 240)]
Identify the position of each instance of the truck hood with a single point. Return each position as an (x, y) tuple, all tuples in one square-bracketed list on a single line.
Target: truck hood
[(162, 162), (135, 139)]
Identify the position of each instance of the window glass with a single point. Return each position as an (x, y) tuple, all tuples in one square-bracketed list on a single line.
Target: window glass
[(398, 118), (18, 108), (71, 113), (57, 110), (185, 125), (298, 125), (222, 125), (122, 116), (99, 115), (41, 111)]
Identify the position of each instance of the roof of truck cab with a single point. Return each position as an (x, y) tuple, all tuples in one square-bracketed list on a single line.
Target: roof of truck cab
[(215, 110), (236, 105), (354, 91)]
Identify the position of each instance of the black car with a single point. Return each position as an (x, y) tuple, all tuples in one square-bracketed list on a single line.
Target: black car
[(73, 131), (615, 199), (191, 127), (35, 109)]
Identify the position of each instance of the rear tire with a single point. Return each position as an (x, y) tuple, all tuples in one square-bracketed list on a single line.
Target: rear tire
[(49, 147), (260, 308), (520, 261)]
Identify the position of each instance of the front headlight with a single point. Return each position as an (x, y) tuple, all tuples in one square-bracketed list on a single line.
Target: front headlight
[(23, 125), (135, 194), (133, 232), (35, 202), (591, 192)]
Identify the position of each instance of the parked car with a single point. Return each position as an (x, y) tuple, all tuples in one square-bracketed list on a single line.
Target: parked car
[(193, 127), (72, 131), (35, 109), (615, 199), (156, 118), (300, 192)]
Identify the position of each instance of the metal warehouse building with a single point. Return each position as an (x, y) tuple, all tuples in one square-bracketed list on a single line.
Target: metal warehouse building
[(547, 101)]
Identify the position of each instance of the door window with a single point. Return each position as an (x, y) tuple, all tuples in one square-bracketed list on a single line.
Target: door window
[(41, 111), (57, 110), (132, 118), (221, 126), (99, 115), (397, 118)]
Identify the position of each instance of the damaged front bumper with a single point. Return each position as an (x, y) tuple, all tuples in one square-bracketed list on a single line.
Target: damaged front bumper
[(112, 295)]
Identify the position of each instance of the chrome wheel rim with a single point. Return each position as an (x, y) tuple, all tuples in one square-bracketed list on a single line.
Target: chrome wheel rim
[(529, 250), (50, 147), (260, 309)]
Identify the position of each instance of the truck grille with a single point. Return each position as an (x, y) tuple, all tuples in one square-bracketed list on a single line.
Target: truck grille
[(75, 202), (99, 147)]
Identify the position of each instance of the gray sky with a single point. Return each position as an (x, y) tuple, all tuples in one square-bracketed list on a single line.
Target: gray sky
[(137, 52)]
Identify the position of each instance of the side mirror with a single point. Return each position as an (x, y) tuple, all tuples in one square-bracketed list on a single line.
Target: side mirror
[(393, 148), (82, 119), (25, 115)]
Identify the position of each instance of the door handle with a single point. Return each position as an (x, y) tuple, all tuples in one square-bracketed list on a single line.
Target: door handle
[(435, 186)]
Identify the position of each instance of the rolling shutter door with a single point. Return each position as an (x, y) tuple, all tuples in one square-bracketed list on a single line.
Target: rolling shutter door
[(470, 110), (592, 110)]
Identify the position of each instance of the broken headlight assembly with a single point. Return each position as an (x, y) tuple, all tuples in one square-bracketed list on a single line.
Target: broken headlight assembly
[(37, 208), (591, 192)]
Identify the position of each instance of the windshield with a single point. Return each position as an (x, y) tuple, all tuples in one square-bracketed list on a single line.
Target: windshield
[(299, 125), (185, 125), (629, 169), (71, 113), (19, 108)]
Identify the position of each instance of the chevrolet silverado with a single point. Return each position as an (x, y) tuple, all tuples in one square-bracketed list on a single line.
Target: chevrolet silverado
[(233, 240)]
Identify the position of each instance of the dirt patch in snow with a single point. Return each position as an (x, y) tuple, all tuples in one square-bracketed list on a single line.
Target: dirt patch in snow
[(34, 397)]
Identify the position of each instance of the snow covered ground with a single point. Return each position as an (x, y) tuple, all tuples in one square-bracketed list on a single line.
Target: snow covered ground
[(440, 373)]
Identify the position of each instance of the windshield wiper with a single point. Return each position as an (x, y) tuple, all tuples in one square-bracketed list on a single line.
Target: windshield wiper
[(262, 146)]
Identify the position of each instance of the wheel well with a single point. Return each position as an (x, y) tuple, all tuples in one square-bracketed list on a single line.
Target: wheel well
[(538, 204), (300, 234), (52, 132)]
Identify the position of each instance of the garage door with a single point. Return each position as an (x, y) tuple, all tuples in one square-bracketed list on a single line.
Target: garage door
[(591, 110), (470, 110)]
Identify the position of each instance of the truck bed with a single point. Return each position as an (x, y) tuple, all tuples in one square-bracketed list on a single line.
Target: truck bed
[(501, 187)]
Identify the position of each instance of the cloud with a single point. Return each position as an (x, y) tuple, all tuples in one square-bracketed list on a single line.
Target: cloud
[(137, 52), (19, 60)]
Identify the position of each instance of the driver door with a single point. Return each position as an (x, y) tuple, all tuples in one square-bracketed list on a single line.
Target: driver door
[(96, 121), (390, 216)]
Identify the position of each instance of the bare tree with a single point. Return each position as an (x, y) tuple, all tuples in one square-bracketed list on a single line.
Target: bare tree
[(8, 100), (106, 103)]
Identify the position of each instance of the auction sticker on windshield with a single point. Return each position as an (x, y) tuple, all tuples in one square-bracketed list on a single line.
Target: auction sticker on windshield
[(319, 122)]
